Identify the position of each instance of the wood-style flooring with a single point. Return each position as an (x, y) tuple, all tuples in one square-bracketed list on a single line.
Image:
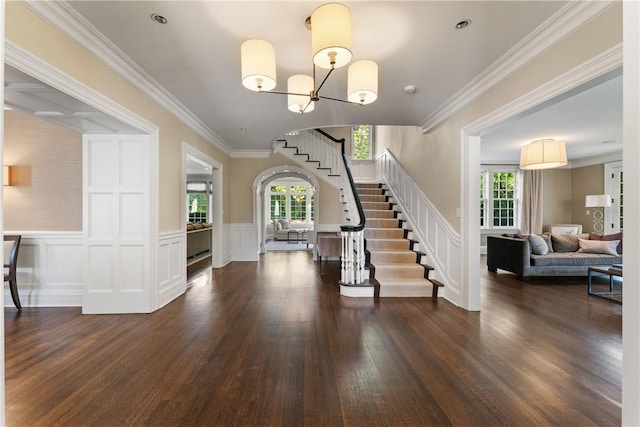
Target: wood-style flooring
[(272, 343)]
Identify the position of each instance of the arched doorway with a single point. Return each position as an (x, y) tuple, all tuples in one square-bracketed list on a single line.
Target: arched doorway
[(262, 215)]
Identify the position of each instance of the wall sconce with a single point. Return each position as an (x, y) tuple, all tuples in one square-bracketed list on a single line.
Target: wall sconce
[(6, 175), (598, 201)]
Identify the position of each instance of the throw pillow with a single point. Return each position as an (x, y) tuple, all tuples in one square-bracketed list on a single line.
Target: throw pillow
[(566, 242), (538, 244), (608, 237), (598, 246)]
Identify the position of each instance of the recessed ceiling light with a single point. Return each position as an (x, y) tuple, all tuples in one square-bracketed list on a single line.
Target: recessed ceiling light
[(243, 129), (463, 24), (158, 19), (409, 89)]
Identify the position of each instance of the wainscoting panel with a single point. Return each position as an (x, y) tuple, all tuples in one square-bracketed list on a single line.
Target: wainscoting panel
[(172, 268), (241, 241), (50, 269)]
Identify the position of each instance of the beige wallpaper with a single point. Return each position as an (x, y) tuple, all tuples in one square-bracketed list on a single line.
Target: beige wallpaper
[(30, 32), (245, 171), (46, 175)]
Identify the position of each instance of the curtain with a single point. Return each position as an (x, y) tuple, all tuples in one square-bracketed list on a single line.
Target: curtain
[(531, 202)]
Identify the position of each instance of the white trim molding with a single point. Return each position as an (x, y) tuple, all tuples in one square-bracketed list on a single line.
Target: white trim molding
[(50, 270), (64, 18), (562, 24)]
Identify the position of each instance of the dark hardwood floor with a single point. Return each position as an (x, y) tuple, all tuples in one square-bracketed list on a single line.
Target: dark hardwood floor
[(273, 343)]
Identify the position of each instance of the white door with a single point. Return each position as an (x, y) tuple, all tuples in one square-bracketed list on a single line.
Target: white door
[(116, 204)]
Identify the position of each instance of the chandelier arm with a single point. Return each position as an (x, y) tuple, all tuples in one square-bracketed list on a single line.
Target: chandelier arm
[(306, 106), (325, 78), (283, 93), (340, 100)]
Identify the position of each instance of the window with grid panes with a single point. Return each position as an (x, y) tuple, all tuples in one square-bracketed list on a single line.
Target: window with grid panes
[(278, 202), (197, 206), (499, 201)]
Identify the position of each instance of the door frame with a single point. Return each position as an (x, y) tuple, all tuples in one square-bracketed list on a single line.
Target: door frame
[(34, 66), (217, 175)]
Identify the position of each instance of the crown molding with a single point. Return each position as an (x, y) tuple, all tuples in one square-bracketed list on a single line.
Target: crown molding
[(597, 66), (595, 160), (563, 23), (251, 154), (64, 18), (23, 60)]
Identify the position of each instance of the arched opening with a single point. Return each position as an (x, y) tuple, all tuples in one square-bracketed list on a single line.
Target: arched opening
[(265, 209)]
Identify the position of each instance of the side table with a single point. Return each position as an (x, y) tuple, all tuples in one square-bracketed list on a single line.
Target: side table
[(610, 272)]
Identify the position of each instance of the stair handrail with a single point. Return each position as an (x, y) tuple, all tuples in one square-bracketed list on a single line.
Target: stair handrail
[(352, 184)]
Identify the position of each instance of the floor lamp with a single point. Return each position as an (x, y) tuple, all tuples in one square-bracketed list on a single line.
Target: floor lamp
[(599, 202)]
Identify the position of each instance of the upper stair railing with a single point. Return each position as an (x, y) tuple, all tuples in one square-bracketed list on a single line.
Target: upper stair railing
[(353, 251)]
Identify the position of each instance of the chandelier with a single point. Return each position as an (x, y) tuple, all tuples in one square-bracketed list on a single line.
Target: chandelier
[(330, 26)]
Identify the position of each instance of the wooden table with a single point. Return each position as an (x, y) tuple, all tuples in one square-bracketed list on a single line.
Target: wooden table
[(328, 244), (610, 273)]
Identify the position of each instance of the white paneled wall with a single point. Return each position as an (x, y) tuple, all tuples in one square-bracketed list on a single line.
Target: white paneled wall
[(49, 269), (241, 242), (172, 268)]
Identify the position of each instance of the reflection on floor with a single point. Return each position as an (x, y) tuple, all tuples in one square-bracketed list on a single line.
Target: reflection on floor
[(283, 245)]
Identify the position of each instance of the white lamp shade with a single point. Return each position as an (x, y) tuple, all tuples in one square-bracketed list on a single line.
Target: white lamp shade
[(331, 33), (543, 154), (597, 201), (299, 84), (362, 85), (258, 59)]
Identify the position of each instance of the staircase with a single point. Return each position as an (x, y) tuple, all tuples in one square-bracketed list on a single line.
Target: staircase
[(390, 254), (384, 246)]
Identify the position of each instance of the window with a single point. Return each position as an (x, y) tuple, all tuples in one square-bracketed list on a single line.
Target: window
[(298, 203), (291, 201), (499, 198), (197, 202), (278, 202), (362, 138)]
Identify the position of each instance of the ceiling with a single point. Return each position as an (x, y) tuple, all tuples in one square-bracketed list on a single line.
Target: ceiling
[(196, 58), (588, 119), (24, 93)]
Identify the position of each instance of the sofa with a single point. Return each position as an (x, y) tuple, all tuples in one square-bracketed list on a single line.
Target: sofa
[(280, 228), (198, 240), (552, 254)]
